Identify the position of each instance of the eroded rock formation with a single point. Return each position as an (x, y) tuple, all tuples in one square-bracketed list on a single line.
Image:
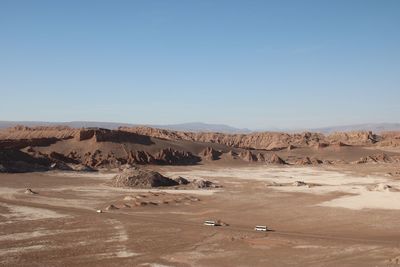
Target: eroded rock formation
[(25, 149), (141, 179), (210, 154)]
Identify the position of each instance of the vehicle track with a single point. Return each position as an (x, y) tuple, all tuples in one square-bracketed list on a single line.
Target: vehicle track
[(249, 229), (236, 228)]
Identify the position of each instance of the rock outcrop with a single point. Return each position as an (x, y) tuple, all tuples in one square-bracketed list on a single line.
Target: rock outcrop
[(354, 138), (260, 157), (29, 191), (321, 145), (60, 166), (299, 183), (182, 181), (232, 155), (290, 147), (382, 188), (111, 207), (141, 179), (203, 184), (390, 139), (210, 154), (275, 159), (173, 157), (248, 156), (377, 158), (62, 158), (18, 162), (308, 161)]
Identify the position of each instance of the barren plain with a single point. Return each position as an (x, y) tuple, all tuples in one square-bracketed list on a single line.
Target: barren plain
[(339, 210)]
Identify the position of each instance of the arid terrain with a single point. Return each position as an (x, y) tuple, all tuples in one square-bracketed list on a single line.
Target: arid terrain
[(139, 197)]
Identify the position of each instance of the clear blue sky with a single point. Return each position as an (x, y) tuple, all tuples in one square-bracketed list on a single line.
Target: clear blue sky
[(255, 64)]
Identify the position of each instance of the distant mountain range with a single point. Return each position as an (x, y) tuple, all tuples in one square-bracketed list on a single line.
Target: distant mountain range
[(205, 127), (189, 127), (202, 127), (374, 127)]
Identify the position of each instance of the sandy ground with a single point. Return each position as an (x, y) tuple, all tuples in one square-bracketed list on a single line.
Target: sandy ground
[(339, 217), (370, 191)]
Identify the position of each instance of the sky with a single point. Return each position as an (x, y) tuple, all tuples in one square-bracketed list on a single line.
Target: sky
[(255, 64)]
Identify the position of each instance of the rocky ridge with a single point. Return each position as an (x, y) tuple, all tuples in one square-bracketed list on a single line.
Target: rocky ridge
[(24, 149), (271, 140)]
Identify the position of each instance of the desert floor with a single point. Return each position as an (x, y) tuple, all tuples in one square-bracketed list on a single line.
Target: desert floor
[(342, 216)]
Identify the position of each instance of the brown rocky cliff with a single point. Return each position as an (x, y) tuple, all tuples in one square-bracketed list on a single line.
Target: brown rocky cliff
[(264, 140)]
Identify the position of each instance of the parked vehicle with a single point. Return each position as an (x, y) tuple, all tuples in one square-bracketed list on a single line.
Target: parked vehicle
[(262, 228), (211, 223)]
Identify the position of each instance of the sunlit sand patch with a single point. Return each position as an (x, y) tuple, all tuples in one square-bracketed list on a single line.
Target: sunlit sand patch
[(29, 213), (125, 254), (367, 200), (328, 182), (36, 234), (8, 193), (121, 236), (281, 174)]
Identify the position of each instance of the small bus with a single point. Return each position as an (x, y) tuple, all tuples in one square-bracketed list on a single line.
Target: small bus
[(262, 228), (211, 223)]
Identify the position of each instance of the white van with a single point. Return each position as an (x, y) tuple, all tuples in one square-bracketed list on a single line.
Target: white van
[(211, 223), (262, 228)]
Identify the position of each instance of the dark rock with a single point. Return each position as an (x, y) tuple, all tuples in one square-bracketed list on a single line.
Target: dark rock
[(111, 207), (260, 157), (174, 157), (29, 191), (182, 181), (60, 166), (141, 179), (204, 184)]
